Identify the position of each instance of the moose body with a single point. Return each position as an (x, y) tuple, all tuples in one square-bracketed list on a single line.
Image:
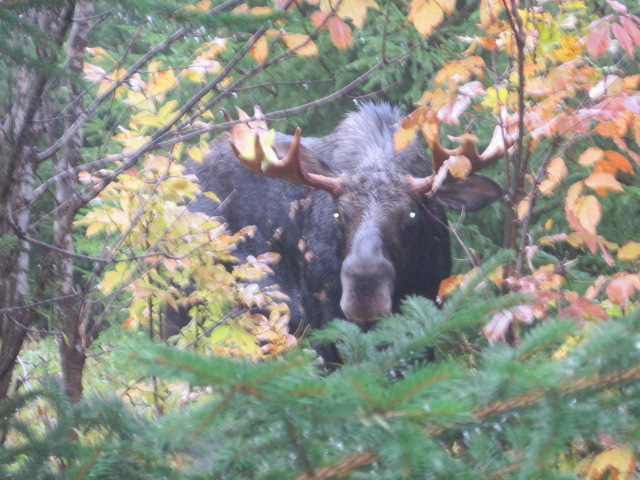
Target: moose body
[(354, 234)]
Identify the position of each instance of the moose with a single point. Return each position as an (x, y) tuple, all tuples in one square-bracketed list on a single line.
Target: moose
[(358, 225)]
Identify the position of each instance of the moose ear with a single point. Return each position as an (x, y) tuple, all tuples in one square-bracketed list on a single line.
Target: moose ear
[(472, 193)]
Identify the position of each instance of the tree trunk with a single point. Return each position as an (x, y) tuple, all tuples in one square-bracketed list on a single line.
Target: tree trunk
[(14, 272), (68, 316), (20, 136)]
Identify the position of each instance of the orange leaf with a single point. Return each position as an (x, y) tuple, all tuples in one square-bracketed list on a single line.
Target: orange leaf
[(602, 183), (260, 50), (425, 15), (403, 137), (613, 129), (460, 71), (320, 18), (619, 161), (340, 33), (449, 285), (301, 44)]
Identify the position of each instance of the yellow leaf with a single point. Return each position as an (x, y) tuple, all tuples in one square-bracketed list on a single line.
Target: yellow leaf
[(629, 251), (591, 155), (136, 100), (356, 10), (589, 212), (556, 172), (403, 137), (619, 462), (489, 11), (177, 150), (161, 81), (196, 154), (213, 48), (459, 166), (94, 228), (156, 162), (496, 97), (194, 75), (260, 50), (260, 11), (204, 5), (212, 196), (425, 15), (302, 44), (574, 193), (603, 183), (523, 208), (114, 278), (448, 6), (570, 48)]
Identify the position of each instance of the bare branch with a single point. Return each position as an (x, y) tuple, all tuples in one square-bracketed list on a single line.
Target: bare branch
[(91, 109)]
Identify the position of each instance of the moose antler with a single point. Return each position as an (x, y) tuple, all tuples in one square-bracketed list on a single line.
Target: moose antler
[(254, 145), (462, 161)]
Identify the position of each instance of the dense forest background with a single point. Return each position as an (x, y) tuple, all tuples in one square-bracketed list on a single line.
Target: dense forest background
[(535, 337)]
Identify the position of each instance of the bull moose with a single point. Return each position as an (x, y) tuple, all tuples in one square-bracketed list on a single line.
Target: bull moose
[(357, 224)]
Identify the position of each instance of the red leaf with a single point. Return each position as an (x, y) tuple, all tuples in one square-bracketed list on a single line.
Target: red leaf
[(599, 41), (340, 33), (624, 38), (499, 325), (622, 287), (617, 6), (632, 29), (582, 308), (319, 18), (632, 104)]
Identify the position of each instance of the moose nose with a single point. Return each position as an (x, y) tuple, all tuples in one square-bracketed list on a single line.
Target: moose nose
[(367, 288)]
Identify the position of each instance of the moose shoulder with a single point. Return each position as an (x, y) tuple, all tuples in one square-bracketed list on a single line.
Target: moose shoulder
[(351, 218)]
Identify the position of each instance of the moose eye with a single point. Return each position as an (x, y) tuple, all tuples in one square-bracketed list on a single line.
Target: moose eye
[(412, 214), (336, 215)]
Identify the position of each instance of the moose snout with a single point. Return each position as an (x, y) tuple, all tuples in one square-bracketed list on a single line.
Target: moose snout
[(367, 288)]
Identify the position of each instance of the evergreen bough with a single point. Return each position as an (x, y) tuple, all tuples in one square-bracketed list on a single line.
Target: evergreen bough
[(392, 412)]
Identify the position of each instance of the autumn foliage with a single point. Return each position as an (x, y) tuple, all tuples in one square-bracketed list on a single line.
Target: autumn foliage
[(549, 91)]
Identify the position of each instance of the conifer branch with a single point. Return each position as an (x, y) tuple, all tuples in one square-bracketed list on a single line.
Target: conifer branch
[(343, 467), (576, 386)]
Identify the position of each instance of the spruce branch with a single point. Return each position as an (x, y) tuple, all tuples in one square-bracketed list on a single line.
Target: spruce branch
[(343, 467)]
